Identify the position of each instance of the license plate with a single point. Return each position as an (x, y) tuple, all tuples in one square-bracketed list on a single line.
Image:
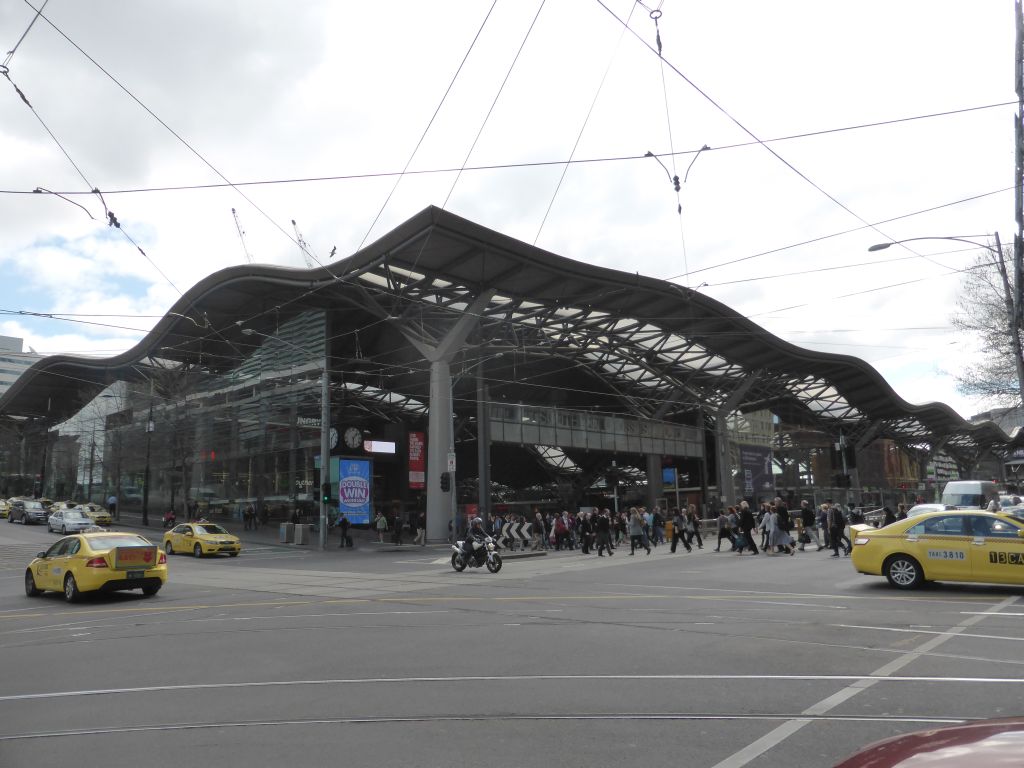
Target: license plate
[(136, 574)]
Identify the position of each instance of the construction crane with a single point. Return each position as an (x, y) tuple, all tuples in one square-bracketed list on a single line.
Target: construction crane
[(303, 246), (241, 236)]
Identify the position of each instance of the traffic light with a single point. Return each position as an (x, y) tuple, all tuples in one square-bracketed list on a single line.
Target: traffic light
[(446, 482), (325, 493)]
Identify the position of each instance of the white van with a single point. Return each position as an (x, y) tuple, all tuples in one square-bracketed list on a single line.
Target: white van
[(969, 494)]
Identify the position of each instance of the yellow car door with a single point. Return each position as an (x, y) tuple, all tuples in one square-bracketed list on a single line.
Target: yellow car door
[(942, 544), (997, 550), (48, 571)]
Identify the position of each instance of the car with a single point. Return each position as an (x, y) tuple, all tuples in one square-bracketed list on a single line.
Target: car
[(69, 520), (945, 545), (965, 745), (920, 509), (201, 538), (27, 511), (5, 507), (99, 514), (97, 561)]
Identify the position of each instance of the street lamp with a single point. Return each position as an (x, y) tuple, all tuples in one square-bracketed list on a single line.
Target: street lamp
[(325, 418), (1013, 291), (957, 238)]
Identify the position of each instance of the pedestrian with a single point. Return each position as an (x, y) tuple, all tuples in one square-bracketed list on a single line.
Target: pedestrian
[(636, 531), (836, 529), (810, 526), (561, 530), (693, 527), (888, 518), (538, 531), (762, 524), (679, 524), (397, 526), (778, 537), (603, 533), (111, 505), (421, 528), (343, 526), (724, 530), (381, 524), (747, 525), (901, 511), (585, 530), (658, 524)]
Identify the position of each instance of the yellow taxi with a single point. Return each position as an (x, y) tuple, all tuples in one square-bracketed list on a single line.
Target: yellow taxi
[(94, 512), (201, 538), (97, 561), (947, 545), (5, 508)]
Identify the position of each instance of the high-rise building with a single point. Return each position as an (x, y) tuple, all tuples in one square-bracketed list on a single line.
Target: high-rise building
[(13, 361)]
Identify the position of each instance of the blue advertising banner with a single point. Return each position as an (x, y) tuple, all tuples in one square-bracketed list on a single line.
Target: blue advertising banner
[(354, 489), (668, 476)]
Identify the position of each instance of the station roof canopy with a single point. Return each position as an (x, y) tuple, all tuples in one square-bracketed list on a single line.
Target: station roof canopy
[(661, 350)]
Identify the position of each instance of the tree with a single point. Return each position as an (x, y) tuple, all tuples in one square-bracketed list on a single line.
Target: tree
[(990, 310)]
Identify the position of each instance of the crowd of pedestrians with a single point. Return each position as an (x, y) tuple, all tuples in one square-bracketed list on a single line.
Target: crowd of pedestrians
[(773, 529)]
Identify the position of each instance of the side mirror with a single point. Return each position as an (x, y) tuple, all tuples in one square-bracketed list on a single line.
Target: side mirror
[(43, 554)]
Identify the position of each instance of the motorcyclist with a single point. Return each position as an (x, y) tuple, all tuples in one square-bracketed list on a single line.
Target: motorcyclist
[(169, 518), (474, 538)]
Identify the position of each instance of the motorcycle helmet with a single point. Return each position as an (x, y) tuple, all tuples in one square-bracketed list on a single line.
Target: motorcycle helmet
[(478, 521)]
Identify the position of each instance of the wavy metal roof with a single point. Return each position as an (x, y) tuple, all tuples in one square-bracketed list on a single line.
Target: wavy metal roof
[(660, 349)]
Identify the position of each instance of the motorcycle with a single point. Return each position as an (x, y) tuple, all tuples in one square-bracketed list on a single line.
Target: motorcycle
[(485, 554)]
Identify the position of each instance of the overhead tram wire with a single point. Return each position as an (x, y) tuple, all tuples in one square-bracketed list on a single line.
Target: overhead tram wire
[(846, 232), (112, 220), (483, 124), (505, 166), (579, 136), (175, 134), (430, 122), (771, 151)]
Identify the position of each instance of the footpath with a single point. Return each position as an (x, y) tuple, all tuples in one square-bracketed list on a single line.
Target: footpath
[(363, 541)]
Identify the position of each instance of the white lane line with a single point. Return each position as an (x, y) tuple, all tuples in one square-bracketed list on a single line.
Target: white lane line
[(774, 737), (856, 679), (930, 631), (988, 613)]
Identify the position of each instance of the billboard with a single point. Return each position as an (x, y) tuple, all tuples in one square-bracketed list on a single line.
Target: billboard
[(756, 471), (417, 461), (354, 484)]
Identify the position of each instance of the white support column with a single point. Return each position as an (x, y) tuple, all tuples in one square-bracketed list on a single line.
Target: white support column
[(439, 504)]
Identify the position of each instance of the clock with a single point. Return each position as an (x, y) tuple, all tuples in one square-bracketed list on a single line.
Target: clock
[(333, 438), (353, 437)]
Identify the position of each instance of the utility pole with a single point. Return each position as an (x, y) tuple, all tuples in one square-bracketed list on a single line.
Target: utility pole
[(1017, 317)]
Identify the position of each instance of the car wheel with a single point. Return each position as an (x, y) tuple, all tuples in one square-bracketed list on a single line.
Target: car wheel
[(49, 528), (71, 593), (150, 591), (168, 548), (903, 572), (197, 550), (31, 590)]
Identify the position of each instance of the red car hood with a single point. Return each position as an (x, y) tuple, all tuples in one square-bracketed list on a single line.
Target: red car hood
[(988, 743)]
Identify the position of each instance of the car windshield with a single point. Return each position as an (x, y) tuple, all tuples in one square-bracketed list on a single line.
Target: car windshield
[(103, 543), (209, 528), (33, 505), (74, 514)]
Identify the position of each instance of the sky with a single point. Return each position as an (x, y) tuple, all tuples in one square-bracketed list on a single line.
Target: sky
[(829, 127)]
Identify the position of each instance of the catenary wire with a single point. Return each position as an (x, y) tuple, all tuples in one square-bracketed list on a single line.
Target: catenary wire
[(771, 151), (507, 166)]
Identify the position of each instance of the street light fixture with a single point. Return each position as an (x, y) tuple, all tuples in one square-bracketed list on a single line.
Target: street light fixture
[(325, 418), (1013, 289), (957, 238)]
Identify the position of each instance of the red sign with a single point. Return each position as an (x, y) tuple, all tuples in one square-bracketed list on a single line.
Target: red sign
[(417, 461)]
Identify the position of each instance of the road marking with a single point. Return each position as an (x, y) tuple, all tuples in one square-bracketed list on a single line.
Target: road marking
[(861, 680), (774, 737), (989, 613), (931, 631), (504, 717)]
